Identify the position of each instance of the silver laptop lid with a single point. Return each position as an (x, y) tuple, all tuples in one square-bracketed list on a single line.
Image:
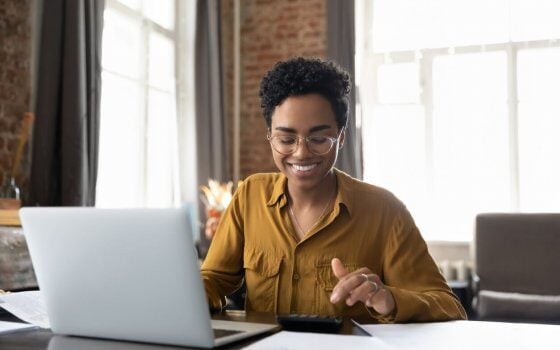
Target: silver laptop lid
[(128, 274)]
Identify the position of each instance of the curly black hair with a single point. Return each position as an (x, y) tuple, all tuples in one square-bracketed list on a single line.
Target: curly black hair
[(301, 76)]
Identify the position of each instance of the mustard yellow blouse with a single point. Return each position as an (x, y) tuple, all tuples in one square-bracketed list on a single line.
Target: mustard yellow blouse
[(368, 227)]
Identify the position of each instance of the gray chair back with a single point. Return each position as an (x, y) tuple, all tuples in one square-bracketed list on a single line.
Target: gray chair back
[(517, 262)]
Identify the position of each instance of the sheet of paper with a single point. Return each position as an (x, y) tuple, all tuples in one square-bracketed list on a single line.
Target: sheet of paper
[(467, 335), (306, 341), (12, 327), (28, 306)]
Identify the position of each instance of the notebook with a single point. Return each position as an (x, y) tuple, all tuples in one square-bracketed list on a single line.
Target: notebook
[(127, 274)]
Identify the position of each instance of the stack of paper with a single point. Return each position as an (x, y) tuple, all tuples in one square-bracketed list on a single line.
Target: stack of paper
[(27, 306)]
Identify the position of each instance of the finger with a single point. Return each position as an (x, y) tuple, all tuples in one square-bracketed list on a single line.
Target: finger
[(347, 284), (340, 272), (338, 268), (362, 293)]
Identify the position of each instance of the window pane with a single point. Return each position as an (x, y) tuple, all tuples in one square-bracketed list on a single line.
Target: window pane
[(133, 4), (161, 71), (138, 160), (122, 44), (398, 83), (394, 150), (471, 157), (408, 25), (470, 142), (535, 19), (539, 144), (472, 22), (398, 25), (161, 149), (121, 144), (538, 75), (161, 11)]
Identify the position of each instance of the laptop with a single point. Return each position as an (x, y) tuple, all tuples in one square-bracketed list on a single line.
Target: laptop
[(127, 274), (62, 342)]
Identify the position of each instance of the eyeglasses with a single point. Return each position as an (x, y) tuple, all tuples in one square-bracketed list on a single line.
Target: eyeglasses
[(288, 144)]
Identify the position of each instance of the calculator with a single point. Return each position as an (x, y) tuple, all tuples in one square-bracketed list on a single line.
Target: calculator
[(309, 323)]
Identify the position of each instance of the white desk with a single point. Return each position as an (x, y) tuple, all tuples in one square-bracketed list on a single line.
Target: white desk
[(468, 335)]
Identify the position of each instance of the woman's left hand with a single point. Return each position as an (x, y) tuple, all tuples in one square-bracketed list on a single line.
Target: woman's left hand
[(361, 285)]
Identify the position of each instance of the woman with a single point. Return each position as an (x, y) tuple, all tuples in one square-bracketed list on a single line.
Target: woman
[(311, 239)]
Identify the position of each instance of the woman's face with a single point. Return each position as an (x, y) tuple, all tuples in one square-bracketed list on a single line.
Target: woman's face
[(303, 116)]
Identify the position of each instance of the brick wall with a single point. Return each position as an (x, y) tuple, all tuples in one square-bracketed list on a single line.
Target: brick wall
[(271, 31), (15, 81)]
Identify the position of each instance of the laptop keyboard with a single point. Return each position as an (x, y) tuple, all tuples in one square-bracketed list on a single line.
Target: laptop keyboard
[(220, 333)]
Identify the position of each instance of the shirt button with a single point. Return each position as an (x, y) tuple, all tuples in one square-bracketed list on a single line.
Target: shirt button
[(296, 276)]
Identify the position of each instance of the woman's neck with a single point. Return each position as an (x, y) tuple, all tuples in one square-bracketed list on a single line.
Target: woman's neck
[(307, 197)]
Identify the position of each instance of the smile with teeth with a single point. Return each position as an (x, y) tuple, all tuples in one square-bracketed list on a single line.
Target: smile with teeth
[(308, 167)]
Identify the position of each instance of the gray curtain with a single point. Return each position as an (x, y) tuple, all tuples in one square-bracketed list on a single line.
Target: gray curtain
[(341, 49), (211, 125), (65, 140), (213, 159)]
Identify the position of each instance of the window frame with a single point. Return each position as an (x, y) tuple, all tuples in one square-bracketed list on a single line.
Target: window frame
[(147, 27), (369, 62)]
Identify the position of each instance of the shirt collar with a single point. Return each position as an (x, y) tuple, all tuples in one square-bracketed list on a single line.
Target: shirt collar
[(278, 191), (343, 196)]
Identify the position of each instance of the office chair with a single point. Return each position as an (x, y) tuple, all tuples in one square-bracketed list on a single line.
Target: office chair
[(517, 267)]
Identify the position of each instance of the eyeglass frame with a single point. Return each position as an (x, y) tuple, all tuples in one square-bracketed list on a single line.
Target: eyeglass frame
[(334, 140)]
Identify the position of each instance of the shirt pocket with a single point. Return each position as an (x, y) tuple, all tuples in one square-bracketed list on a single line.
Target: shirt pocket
[(325, 283), (262, 278)]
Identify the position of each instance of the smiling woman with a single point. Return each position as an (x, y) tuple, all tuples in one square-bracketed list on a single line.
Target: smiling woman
[(312, 239)]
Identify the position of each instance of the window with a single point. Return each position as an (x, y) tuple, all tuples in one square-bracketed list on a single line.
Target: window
[(138, 152), (459, 108)]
